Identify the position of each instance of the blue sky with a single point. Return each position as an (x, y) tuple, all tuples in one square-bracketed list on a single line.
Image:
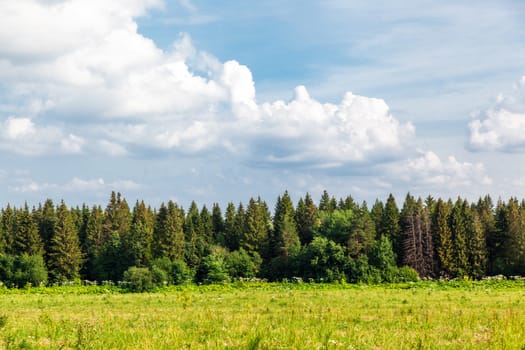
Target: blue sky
[(219, 101)]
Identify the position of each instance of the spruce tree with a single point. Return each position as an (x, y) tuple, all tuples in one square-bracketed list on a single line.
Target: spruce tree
[(93, 242), (362, 232), (218, 225), (26, 236), (194, 236), (206, 226), (327, 203), (477, 249), (377, 217), (8, 229), (390, 226), (137, 244), (459, 217), (65, 256), (514, 247), (443, 238), (285, 237), (231, 238), (169, 240), (46, 223), (306, 218), (255, 234)]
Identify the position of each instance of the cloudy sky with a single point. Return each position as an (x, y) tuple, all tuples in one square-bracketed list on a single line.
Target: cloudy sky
[(224, 100)]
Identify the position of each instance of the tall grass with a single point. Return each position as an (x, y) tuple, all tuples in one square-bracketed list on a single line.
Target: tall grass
[(269, 316)]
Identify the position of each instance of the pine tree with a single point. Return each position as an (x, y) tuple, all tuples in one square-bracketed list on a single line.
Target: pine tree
[(65, 256)]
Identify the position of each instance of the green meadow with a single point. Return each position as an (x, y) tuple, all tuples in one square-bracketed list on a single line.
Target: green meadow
[(424, 315)]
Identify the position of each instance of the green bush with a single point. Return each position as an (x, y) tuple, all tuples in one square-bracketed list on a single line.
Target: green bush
[(406, 274), (7, 263), (213, 270), (240, 264), (138, 279), (159, 276), (322, 260), (180, 273), (29, 270)]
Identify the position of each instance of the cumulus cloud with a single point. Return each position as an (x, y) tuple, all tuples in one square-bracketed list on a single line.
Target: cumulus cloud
[(429, 169), (502, 127), (91, 63)]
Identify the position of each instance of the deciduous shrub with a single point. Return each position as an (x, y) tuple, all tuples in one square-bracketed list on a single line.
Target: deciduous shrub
[(138, 279)]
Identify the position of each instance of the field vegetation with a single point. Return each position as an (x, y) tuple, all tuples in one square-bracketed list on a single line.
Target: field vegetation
[(423, 315)]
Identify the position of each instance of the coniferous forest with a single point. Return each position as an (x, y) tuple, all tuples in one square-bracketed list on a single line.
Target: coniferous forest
[(331, 240)]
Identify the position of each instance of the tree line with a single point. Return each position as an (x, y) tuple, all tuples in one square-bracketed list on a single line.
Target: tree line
[(329, 241)]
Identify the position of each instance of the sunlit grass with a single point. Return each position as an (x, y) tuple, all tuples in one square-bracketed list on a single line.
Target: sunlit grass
[(267, 316)]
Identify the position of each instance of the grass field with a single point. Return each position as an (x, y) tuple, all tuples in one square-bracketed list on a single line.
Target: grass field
[(267, 316)]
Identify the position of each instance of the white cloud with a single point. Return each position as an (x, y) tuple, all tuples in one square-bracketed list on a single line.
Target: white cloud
[(91, 63), (111, 148), (430, 170), (78, 185), (72, 144), (32, 187), (15, 128), (22, 136), (502, 127)]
